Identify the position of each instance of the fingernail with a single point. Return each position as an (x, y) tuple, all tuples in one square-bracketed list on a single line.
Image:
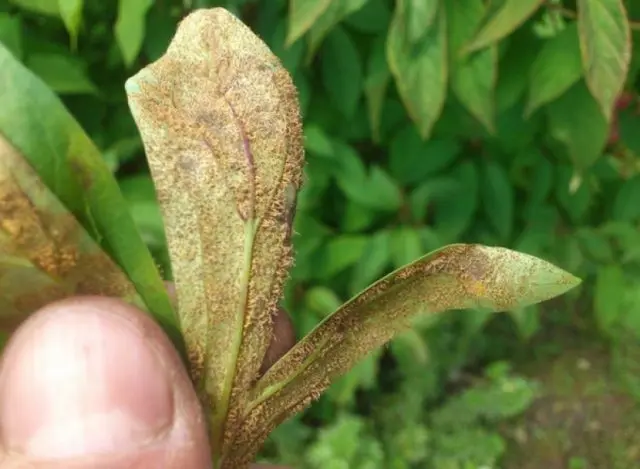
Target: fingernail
[(81, 382)]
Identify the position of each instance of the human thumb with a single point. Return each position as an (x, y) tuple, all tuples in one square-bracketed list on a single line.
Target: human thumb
[(93, 383)]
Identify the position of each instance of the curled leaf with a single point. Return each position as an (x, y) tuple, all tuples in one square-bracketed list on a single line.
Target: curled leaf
[(220, 123), (454, 277)]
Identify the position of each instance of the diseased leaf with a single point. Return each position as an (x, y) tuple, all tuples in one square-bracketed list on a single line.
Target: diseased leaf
[(71, 167), (415, 65), (576, 120), (507, 18), (473, 76), (455, 277), (302, 16), (71, 14), (45, 254), (557, 68), (130, 27), (220, 123), (605, 41)]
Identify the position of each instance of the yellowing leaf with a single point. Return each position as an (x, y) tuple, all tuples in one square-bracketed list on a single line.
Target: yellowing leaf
[(302, 16), (510, 15), (130, 27), (605, 41), (421, 77), (458, 276)]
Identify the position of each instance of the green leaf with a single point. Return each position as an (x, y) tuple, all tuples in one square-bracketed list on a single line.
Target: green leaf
[(454, 212), (71, 167), (608, 298), (406, 246), (625, 205), (376, 83), (411, 159), (527, 320), (302, 15), (63, 74), (42, 7), (342, 72), (605, 41), (321, 300), (515, 67), (372, 18), (414, 65), (129, 29), (541, 181), (290, 55), (498, 199), (71, 14), (333, 15), (473, 76), (338, 254), (372, 264), (11, 33), (420, 16), (454, 277), (556, 69), (576, 120), (383, 191), (507, 18)]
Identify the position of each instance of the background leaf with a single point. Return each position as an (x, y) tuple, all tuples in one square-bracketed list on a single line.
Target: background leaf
[(129, 29), (414, 65), (302, 15), (557, 68), (473, 76), (605, 41), (510, 15)]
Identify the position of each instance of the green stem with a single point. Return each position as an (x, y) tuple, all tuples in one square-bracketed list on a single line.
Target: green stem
[(220, 415)]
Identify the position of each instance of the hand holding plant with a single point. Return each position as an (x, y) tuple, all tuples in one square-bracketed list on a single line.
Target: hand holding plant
[(220, 122)]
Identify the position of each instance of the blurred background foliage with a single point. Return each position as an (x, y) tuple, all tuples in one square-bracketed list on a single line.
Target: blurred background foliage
[(427, 122)]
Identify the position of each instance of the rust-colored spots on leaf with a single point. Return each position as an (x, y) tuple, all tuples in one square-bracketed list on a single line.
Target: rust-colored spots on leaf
[(45, 254), (221, 126)]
